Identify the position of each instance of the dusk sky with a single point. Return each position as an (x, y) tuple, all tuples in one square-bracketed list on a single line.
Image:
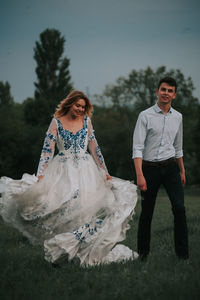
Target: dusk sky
[(105, 39)]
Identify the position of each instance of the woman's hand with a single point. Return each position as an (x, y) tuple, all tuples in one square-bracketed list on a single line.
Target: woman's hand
[(40, 177), (108, 177)]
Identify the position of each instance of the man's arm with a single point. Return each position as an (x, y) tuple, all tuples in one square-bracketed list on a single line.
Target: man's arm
[(178, 142), (138, 147), (182, 169), (141, 182)]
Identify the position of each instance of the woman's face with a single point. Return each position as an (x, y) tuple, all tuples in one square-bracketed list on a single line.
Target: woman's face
[(78, 108)]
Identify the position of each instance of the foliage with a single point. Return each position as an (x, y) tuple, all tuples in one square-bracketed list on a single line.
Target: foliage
[(5, 95), (138, 89), (25, 275), (9, 136), (20, 143), (114, 130), (11, 128), (53, 78)]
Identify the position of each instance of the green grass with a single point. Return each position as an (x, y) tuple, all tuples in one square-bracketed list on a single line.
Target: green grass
[(25, 275)]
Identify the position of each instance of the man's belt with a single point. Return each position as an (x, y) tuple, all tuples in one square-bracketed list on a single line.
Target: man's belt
[(159, 163)]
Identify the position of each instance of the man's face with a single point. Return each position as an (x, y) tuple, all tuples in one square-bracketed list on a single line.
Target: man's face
[(165, 93)]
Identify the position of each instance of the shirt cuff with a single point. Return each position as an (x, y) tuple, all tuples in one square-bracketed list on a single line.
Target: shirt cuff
[(137, 154), (179, 154)]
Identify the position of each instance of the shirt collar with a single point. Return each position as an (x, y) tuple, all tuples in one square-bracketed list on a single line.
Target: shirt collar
[(158, 110)]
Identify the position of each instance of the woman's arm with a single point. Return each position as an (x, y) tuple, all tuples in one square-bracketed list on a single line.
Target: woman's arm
[(95, 150), (48, 148)]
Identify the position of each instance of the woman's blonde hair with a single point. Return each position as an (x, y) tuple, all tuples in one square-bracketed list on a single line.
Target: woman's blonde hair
[(70, 100)]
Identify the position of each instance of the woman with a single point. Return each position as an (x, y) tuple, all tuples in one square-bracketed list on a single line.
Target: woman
[(73, 206)]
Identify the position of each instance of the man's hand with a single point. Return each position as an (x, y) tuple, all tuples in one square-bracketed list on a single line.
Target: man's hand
[(141, 183), (182, 170), (183, 180)]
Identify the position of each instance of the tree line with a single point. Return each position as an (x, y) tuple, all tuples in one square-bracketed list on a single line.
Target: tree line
[(23, 125)]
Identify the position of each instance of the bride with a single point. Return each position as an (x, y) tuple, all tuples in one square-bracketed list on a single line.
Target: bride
[(73, 206)]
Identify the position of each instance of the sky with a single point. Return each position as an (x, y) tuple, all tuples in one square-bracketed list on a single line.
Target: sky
[(105, 39)]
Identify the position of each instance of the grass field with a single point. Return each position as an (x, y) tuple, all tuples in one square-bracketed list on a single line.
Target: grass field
[(24, 275)]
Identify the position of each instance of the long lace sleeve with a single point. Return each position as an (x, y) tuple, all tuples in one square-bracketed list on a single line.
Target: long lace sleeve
[(48, 147), (94, 148)]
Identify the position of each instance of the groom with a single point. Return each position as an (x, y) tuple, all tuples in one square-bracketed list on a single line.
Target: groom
[(157, 154)]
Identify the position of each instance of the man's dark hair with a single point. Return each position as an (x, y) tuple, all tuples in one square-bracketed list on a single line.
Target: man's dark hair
[(169, 80)]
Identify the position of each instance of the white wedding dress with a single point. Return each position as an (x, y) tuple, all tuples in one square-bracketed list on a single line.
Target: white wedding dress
[(73, 210)]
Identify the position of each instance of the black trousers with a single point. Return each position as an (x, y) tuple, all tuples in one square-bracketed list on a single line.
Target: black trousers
[(169, 176)]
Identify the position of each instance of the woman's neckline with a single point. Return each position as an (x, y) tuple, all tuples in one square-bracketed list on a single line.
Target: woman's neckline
[(84, 118)]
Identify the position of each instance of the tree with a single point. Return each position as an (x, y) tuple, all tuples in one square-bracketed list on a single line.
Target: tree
[(114, 131), (5, 95), (53, 77), (138, 90)]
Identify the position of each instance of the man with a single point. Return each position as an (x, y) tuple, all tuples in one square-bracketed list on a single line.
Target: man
[(157, 154)]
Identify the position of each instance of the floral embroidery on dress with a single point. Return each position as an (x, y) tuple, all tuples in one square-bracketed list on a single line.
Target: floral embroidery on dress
[(47, 151), (100, 156), (90, 229), (76, 194), (71, 140), (92, 136), (70, 145)]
